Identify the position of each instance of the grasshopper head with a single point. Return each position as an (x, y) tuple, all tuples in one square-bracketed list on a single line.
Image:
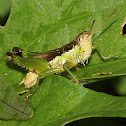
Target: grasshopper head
[(83, 38)]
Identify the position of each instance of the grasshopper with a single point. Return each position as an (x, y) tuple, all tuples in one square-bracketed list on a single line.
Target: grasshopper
[(58, 60)]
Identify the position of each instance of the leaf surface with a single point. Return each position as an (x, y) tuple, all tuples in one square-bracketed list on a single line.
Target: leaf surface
[(11, 105), (44, 25)]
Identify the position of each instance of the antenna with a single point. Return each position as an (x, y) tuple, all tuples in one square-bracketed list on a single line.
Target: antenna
[(91, 26), (102, 22)]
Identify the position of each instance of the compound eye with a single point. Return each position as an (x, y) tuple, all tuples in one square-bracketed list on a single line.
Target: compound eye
[(80, 37), (17, 51)]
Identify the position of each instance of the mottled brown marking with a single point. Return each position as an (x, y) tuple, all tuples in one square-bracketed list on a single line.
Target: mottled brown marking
[(50, 55)]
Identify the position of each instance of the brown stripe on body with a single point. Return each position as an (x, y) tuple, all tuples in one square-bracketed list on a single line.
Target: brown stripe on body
[(50, 55)]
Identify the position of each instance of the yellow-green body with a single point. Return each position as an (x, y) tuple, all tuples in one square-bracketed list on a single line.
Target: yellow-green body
[(57, 60), (78, 54), (40, 68)]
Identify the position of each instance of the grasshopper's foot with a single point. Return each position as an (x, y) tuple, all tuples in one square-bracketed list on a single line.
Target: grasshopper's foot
[(101, 53), (75, 79), (115, 56), (109, 57), (22, 92), (27, 97), (102, 73)]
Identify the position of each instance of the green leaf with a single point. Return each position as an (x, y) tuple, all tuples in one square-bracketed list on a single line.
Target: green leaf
[(69, 101), (44, 25), (121, 86), (59, 101), (5, 6), (106, 70), (11, 105)]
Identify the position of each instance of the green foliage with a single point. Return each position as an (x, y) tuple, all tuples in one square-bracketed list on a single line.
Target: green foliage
[(44, 25), (5, 6), (11, 105)]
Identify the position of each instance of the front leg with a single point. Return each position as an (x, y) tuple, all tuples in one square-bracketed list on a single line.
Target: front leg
[(68, 65), (95, 46)]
